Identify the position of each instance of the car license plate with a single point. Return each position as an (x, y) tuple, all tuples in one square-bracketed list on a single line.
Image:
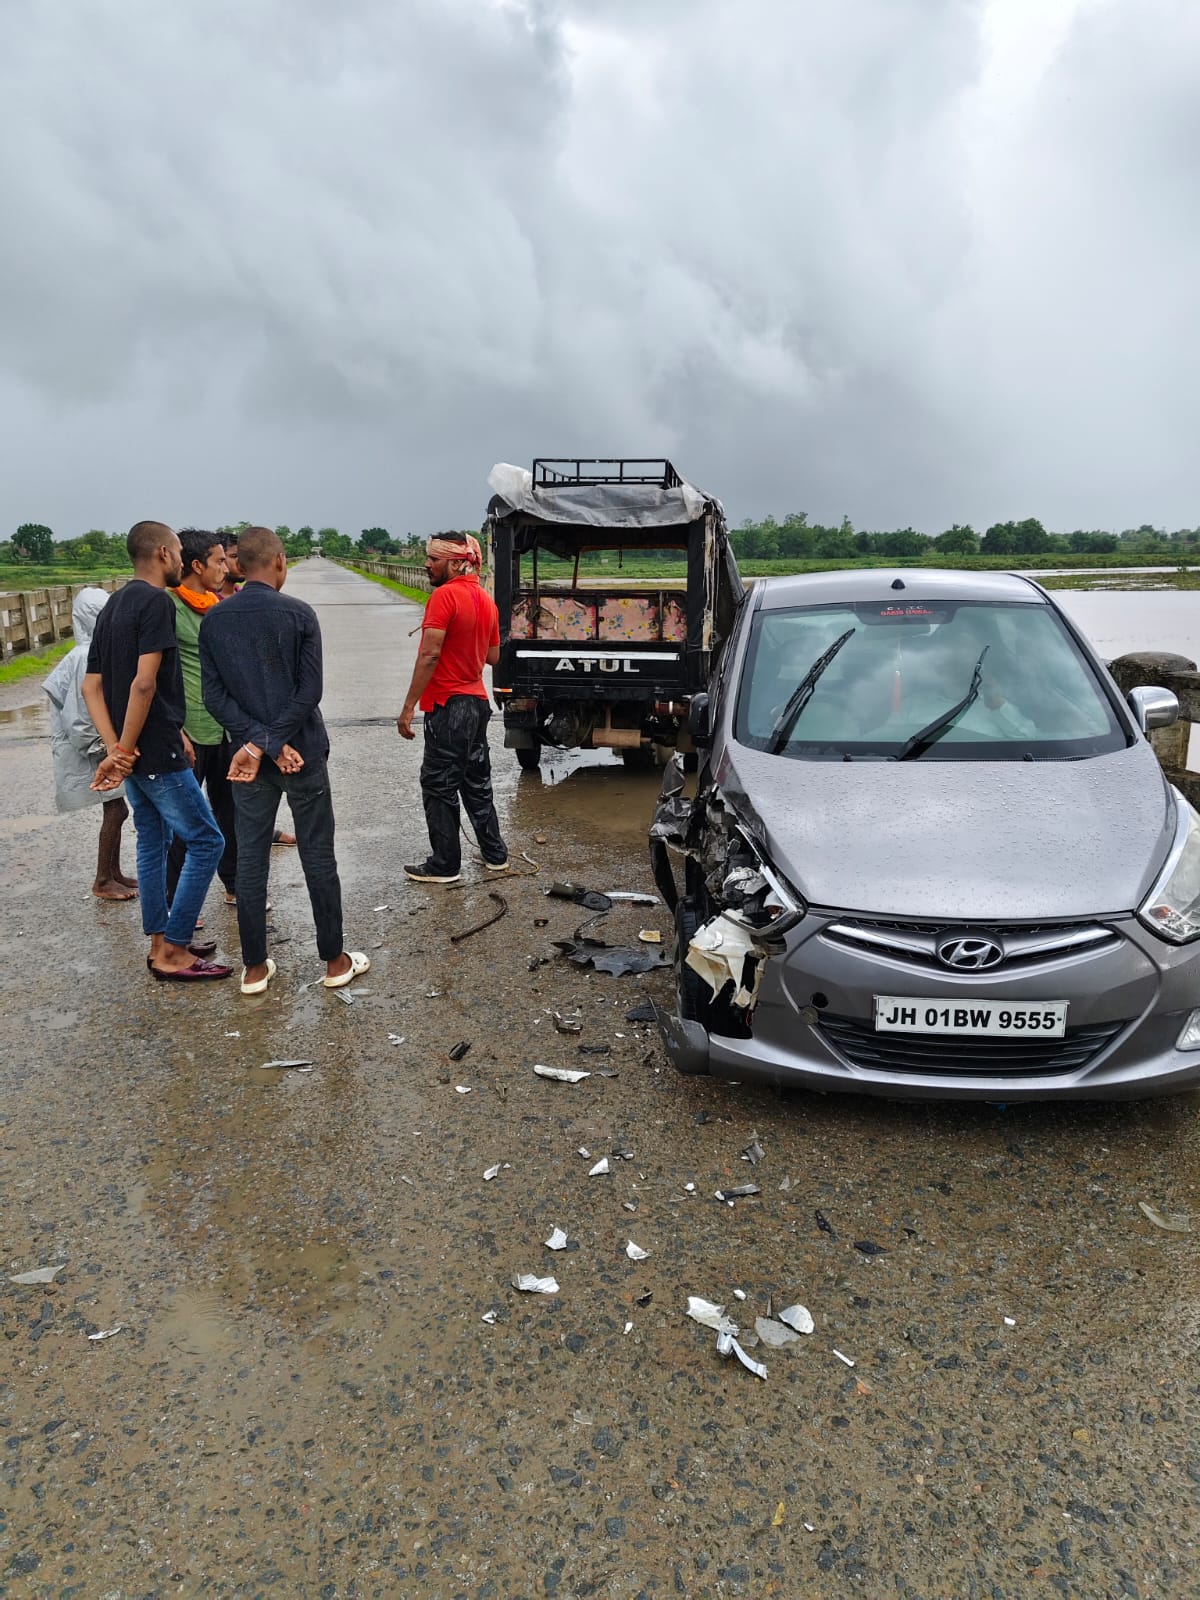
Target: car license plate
[(971, 1019)]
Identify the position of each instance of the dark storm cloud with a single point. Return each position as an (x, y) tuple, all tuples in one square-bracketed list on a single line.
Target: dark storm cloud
[(325, 264)]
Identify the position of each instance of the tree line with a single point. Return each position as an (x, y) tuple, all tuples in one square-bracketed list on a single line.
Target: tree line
[(34, 544), (795, 538)]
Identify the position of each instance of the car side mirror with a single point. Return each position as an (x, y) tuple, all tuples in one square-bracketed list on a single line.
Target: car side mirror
[(1153, 708), (699, 723)]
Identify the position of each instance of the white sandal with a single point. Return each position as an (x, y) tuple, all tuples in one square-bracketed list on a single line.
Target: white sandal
[(359, 963), (259, 986)]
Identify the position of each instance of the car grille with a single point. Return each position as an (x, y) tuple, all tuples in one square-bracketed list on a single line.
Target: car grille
[(931, 1053), (915, 943)]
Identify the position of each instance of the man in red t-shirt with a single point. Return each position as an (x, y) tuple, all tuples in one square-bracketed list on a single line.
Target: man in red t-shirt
[(461, 633)]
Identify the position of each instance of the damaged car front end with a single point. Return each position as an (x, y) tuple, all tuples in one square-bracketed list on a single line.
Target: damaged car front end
[(923, 849)]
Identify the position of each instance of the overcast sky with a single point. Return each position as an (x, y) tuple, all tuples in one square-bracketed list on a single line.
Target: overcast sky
[(914, 261)]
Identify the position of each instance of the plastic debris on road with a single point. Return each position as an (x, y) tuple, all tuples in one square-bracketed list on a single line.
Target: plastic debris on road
[(589, 899), (754, 1152), (740, 1191), (868, 1247), (107, 1333), (458, 1051), (710, 1315), (635, 1252), (489, 1317), (462, 1088), (381, 908), (530, 1283), (599, 1169), (631, 897), (1172, 1221), (739, 1294), (38, 1275), (727, 1345), (775, 1333), (396, 1038), (492, 1172), (798, 1317), (557, 1240), (717, 953), (649, 936), (640, 1013), (345, 997), (619, 961), (562, 1074), (284, 1065), (1010, 1322), (571, 1022), (841, 1357)]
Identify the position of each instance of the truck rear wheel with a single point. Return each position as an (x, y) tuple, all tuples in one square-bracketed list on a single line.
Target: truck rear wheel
[(639, 757), (530, 758)]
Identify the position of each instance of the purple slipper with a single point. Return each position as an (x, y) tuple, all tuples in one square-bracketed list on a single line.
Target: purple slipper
[(196, 972)]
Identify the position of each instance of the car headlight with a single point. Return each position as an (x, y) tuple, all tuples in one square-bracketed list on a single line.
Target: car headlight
[(1172, 908)]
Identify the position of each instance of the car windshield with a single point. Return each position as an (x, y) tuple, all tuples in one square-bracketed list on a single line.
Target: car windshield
[(905, 667)]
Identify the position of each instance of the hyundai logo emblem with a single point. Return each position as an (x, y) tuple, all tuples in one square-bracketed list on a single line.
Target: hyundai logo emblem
[(969, 952)]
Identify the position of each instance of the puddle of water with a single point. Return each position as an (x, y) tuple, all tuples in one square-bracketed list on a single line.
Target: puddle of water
[(11, 826), (17, 716), (194, 1324), (583, 790)]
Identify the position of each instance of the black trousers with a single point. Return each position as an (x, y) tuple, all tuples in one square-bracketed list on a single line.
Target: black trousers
[(212, 773), (456, 762), (311, 802)]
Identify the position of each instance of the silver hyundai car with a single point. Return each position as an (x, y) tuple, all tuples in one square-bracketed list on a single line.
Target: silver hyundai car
[(926, 849)]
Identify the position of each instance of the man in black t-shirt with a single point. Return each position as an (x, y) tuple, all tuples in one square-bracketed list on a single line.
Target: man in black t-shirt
[(134, 684)]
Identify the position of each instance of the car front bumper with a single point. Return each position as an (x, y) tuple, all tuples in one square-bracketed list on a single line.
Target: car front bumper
[(813, 1024)]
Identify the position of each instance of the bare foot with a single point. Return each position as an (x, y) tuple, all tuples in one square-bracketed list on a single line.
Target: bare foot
[(170, 957), (113, 889), (119, 877)]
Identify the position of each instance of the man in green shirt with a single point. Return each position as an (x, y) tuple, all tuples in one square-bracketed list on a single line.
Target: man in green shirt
[(204, 573)]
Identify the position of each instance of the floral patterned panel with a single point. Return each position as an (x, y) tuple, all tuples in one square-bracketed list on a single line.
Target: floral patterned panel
[(562, 616), (627, 618), (674, 625), (520, 626)]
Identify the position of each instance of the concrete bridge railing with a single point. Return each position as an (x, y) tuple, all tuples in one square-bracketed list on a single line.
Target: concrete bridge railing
[(399, 572), (31, 619), (1159, 669)]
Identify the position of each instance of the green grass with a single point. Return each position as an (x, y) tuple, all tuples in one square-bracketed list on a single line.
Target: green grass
[(1123, 581), (17, 577), (33, 663), (409, 593)]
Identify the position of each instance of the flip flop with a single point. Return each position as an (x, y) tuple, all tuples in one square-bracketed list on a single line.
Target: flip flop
[(280, 837), (359, 963), (259, 986), (197, 972)]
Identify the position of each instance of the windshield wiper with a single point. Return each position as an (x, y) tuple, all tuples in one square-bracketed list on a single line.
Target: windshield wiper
[(800, 696), (933, 731)]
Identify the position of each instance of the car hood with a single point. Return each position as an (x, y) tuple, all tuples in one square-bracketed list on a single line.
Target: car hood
[(1013, 840)]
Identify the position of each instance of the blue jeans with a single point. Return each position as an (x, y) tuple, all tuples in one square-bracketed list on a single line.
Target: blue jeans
[(172, 803)]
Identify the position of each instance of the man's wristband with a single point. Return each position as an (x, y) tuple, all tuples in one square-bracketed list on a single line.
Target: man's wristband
[(119, 750), (252, 750)]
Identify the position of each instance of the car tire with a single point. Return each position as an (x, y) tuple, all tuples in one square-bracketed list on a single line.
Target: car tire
[(691, 992), (530, 758)]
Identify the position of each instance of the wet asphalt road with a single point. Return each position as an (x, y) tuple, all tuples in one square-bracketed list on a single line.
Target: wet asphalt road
[(305, 1399)]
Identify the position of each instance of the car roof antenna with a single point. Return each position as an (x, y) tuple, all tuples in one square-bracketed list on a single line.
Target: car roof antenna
[(897, 583)]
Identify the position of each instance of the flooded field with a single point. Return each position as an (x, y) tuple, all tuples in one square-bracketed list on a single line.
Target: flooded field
[(325, 1382)]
